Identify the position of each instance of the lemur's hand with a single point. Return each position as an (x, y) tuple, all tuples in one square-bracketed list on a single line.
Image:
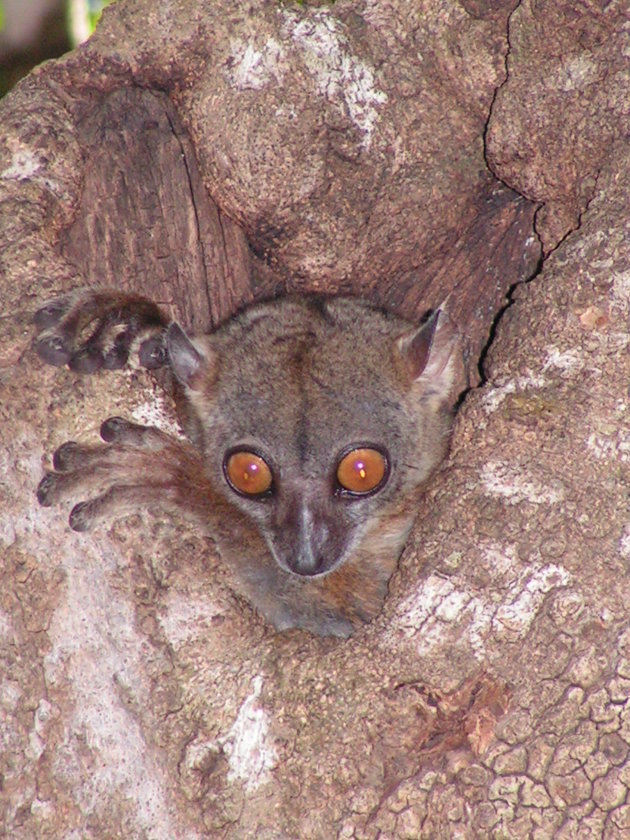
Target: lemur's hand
[(89, 330), (139, 467)]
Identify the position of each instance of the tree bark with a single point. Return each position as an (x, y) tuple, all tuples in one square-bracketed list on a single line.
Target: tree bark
[(211, 155)]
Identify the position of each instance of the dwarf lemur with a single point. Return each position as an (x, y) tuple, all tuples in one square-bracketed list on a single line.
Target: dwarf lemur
[(313, 424)]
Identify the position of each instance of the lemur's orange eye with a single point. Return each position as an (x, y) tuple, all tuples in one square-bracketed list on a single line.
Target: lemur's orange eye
[(248, 473), (362, 470)]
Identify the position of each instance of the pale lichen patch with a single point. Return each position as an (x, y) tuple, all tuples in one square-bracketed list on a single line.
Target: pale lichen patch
[(575, 73), (343, 78), (29, 165), (566, 361), (23, 459), (493, 397), (5, 627), (251, 753), (621, 292), (443, 608), (251, 67), (516, 615), (612, 445), (10, 694), (94, 647), (24, 165), (157, 412), (38, 734), (514, 484), (186, 618)]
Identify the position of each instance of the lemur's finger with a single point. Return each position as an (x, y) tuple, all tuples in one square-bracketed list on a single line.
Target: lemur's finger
[(94, 467), (67, 456), (88, 359), (53, 349), (58, 486), (121, 431), (46, 489), (118, 354), (71, 456), (51, 313), (117, 501), (88, 468)]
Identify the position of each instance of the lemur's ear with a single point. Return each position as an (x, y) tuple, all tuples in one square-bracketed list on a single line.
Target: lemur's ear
[(428, 354), (190, 365)]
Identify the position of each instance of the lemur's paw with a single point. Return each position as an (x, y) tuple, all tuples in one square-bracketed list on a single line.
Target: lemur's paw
[(137, 468), (89, 330)]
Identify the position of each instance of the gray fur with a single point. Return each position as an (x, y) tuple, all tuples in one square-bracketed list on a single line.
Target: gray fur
[(298, 381)]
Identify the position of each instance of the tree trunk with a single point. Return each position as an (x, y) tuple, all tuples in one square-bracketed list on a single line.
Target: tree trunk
[(214, 153)]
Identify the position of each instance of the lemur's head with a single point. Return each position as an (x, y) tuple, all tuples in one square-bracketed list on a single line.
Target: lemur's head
[(317, 418)]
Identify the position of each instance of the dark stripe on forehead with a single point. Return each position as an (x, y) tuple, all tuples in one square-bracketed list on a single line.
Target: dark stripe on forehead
[(303, 338), (301, 433), (294, 351), (319, 305)]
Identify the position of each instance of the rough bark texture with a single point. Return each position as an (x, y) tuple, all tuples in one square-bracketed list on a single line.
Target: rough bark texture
[(213, 153)]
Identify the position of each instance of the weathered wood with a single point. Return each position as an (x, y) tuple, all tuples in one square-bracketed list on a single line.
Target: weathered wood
[(145, 221)]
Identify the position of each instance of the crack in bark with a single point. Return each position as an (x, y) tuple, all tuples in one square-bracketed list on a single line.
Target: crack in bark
[(195, 208)]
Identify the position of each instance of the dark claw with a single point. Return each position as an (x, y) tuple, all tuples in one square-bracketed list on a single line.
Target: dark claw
[(87, 360), (50, 314), (152, 353), (53, 350), (64, 458), (116, 357), (45, 489), (113, 427), (80, 519)]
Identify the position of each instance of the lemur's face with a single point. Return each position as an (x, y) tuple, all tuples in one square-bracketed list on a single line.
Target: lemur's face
[(317, 418)]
